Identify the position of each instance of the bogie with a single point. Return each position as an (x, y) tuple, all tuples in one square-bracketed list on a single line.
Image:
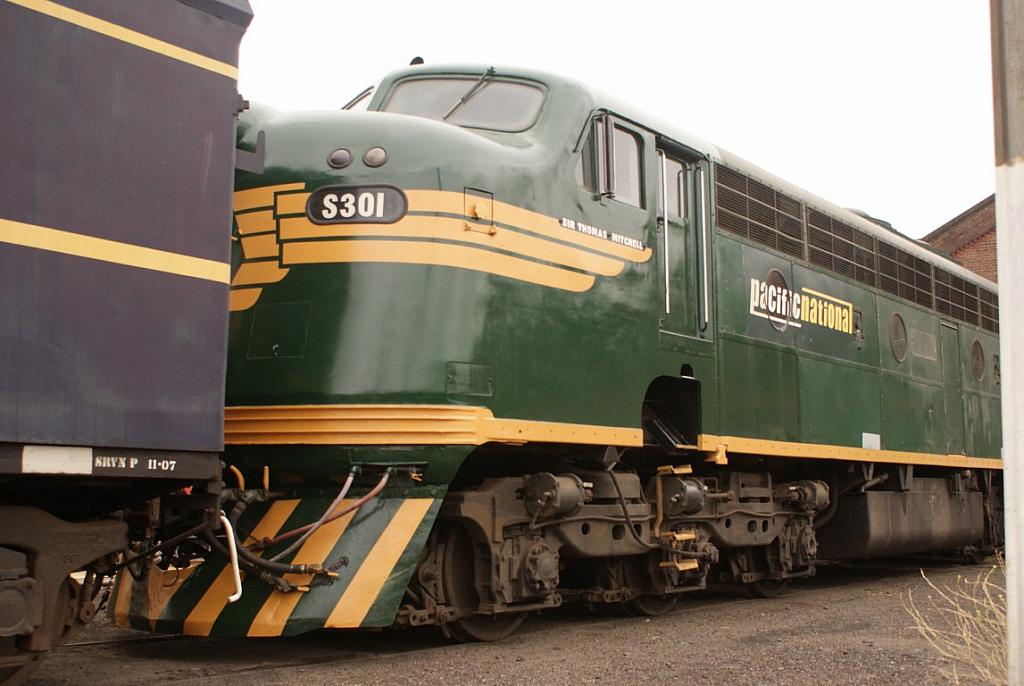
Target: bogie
[(517, 544)]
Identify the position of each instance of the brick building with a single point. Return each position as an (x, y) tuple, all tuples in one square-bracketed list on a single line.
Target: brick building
[(970, 238)]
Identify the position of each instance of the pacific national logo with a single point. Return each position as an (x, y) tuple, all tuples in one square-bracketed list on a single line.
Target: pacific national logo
[(772, 299)]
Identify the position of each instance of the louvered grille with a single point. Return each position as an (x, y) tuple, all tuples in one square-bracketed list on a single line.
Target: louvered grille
[(989, 311), (904, 275), (840, 247), (756, 211), (957, 298), (751, 209)]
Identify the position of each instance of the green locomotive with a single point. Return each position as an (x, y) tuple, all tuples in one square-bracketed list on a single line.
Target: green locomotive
[(499, 342)]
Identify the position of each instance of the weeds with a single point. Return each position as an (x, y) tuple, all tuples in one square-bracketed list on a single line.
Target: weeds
[(965, 622)]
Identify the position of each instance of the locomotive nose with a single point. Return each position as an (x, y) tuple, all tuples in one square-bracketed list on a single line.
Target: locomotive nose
[(358, 147), (352, 213)]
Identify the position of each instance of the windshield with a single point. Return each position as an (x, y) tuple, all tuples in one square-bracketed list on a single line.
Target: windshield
[(359, 103), (495, 105)]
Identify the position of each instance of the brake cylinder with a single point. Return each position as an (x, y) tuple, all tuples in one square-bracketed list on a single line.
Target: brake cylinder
[(546, 495)]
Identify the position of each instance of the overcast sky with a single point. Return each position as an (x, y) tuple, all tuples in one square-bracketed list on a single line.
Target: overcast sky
[(884, 105)]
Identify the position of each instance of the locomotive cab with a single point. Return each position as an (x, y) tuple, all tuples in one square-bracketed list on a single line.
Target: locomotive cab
[(434, 191)]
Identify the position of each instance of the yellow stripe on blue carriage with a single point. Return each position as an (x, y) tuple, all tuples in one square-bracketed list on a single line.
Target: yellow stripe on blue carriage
[(373, 551)]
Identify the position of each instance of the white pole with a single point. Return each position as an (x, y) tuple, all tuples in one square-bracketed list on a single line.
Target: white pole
[(1008, 92)]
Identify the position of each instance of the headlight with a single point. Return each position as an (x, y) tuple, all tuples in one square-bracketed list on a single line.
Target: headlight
[(375, 156), (340, 158)]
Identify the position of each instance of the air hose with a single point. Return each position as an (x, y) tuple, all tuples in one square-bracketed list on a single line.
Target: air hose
[(268, 542), (262, 574), (269, 565), (323, 519)]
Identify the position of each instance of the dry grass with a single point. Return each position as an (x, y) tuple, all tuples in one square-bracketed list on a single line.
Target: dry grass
[(965, 622)]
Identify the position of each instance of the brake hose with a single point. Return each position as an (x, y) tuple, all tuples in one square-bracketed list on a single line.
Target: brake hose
[(268, 542), (262, 574), (323, 519), (274, 567)]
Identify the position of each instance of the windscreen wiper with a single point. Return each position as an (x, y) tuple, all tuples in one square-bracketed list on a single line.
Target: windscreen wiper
[(471, 93)]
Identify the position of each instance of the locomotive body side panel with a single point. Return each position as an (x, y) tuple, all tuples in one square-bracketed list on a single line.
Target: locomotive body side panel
[(821, 355)]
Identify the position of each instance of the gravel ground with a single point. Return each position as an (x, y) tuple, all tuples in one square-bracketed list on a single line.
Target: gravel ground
[(847, 625)]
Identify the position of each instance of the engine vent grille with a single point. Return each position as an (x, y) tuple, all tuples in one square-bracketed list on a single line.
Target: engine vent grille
[(989, 310), (955, 297), (756, 211), (904, 275), (840, 247), (753, 210)]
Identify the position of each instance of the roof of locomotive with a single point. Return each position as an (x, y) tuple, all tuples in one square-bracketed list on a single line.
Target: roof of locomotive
[(601, 101)]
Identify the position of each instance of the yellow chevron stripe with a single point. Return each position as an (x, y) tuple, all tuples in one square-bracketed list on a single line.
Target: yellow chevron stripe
[(292, 203), (259, 246), (122, 601), (160, 593), (200, 621), (365, 586), (258, 273), (126, 35), (282, 208), (456, 230), (440, 254), (260, 221), (243, 298), (262, 197), (451, 202), (115, 252), (272, 617)]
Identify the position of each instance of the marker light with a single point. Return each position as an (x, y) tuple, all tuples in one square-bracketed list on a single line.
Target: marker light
[(375, 156), (340, 158)]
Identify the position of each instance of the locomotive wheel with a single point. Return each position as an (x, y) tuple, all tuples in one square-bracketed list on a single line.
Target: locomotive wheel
[(651, 605), (458, 572), (639, 576), (766, 588)]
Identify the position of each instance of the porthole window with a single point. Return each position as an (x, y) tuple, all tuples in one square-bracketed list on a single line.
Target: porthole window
[(898, 337), (977, 360)]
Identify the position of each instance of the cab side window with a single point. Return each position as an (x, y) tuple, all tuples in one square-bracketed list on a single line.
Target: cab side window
[(589, 170), (627, 168), (611, 165), (675, 199)]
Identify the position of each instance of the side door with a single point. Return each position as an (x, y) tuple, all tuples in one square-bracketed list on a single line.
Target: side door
[(676, 246), (682, 237), (952, 385)]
